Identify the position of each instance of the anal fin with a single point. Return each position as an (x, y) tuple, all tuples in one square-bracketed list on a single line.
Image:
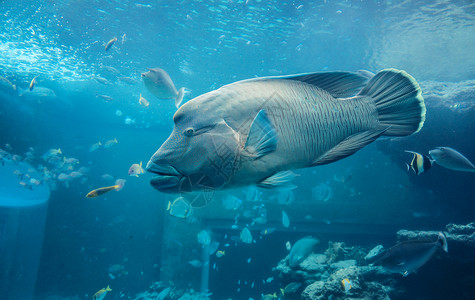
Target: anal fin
[(279, 181), (349, 146)]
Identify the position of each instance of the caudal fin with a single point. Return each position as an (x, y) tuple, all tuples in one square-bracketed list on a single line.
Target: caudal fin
[(120, 184), (398, 100), (179, 97), (442, 242)]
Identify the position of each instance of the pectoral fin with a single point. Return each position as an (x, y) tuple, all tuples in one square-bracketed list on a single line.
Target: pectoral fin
[(349, 146), (262, 138), (279, 181)]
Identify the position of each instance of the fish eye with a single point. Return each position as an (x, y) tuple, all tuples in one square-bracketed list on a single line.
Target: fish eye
[(189, 131)]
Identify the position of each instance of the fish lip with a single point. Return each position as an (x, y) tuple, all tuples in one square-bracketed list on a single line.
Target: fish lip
[(167, 177), (163, 170)]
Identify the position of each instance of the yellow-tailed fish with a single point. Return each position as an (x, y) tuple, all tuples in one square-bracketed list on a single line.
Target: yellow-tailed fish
[(136, 170), (32, 83), (143, 101), (180, 208), (100, 294), (119, 184), (110, 143), (110, 43), (220, 253)]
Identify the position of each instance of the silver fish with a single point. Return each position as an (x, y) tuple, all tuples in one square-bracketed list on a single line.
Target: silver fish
[(408, 256), (255, 131), (451, 159), (159, 83)]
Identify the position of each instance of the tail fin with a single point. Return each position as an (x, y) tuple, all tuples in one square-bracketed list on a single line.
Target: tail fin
[(442, 241), (179, 97), (120, 184), (399, 101)]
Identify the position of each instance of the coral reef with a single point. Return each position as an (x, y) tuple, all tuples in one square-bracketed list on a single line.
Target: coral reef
[(321, 275)]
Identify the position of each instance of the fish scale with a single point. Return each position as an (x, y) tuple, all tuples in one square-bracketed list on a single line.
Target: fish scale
[(306, 117)]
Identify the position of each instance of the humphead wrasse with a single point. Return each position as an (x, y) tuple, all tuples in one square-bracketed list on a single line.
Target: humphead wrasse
[(256, 131)]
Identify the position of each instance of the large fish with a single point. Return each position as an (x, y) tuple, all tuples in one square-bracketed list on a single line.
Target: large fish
[(451, 159), (301, 250), (408, 256), (255, 131), (159, 83)]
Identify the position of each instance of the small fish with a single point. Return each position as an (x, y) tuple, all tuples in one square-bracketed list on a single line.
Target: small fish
[(204, 238), (95, 146), (291, 288), (64, 177), (105, 98), (288, 246), (196, 263), (119, 184), (102, 80), (269, 296), (25, 185), (128, 80), (70, 160), (110, 43), (180, 208), (267, 231), (32, 83), (159, 83), (136, 170), (143, 101), (246, 236), (346, 285), (285, 220), (231, 202), (75, 174), (99, 295), (419, 163), (51, 153), (110, 143), (107, 177), (451, 159), (124, 38), (128, 120), (408, 256), (220, 253)]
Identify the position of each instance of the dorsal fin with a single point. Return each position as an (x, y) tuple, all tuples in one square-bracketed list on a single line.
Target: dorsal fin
[(339, 84)]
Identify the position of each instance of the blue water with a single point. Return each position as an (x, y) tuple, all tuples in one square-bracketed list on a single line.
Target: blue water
[(204, 45)]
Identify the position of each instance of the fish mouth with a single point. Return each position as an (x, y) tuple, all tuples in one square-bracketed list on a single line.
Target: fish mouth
[(167, 179)]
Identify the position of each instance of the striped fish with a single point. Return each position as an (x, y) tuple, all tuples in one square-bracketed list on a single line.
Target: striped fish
[(419, 163), (256, 131)]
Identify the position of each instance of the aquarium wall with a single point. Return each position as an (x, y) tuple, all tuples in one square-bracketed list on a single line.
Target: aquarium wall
[(22, 223)]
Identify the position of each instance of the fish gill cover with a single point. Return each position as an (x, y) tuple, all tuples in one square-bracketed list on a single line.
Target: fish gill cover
[(74, 107)]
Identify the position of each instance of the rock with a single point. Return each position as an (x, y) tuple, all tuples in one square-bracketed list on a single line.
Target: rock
[(461, 229), (336, 251), (461, 246), (314, 263), (361, 289), (343, 264)]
